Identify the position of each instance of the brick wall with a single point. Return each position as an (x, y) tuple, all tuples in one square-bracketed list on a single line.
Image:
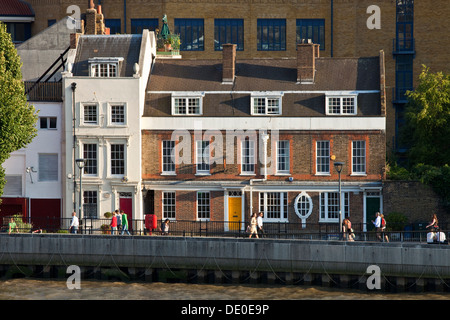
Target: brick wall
[(414, 199), (302, 156)]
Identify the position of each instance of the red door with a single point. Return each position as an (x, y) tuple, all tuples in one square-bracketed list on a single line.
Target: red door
[(45, 214), (126, 204)]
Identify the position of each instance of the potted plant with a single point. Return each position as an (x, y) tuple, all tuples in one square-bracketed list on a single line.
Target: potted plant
[(106, 229)]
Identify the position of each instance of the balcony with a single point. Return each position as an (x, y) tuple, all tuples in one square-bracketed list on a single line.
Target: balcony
[(403, 46), (43, 91), (168, 46)]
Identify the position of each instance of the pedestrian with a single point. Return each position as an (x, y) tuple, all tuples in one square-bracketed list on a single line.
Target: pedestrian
[(434, 224), (253, 224), (119, 220), (434, 227), (165, 227), (377, 224), (124, 222), (113, 223), (74, 223), (260, 224), (383, 228), (347, 230), (12, 225)]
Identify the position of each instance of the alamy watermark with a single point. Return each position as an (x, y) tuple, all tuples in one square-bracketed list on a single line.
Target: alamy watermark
[(373, 22), (374, 280), (74, 280)]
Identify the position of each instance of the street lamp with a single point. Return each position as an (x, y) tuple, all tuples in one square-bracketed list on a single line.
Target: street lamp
[(80, 164), (339, 166)]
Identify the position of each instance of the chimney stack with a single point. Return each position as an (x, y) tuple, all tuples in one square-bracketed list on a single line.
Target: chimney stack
[(95, 22), (306, 61), (229, 63)]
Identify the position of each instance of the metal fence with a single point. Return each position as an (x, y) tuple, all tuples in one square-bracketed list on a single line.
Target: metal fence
[(198, 228)]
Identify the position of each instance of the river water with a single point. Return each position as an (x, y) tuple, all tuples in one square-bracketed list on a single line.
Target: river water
[(37, 289)]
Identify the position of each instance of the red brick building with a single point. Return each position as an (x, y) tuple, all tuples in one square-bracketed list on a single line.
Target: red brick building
[(224, 138)]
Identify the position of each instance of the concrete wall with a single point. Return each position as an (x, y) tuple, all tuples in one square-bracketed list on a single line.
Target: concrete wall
[(226, 254)]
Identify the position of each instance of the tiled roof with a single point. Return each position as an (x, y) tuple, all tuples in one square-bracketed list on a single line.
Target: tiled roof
[(103, 46), (15, 8), (265, 75), (332, 74)]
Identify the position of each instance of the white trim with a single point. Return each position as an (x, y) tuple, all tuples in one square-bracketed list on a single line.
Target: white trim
[(273, 93), (268, 123), (16, 19)]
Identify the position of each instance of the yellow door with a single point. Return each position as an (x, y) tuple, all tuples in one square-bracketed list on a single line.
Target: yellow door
[(234, 212)]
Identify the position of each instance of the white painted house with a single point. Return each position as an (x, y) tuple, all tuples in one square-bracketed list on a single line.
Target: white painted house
[(104, 86)]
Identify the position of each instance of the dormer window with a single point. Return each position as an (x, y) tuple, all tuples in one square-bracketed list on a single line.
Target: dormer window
[(341, 105), (104, 67), (187, 104), (266, 104)]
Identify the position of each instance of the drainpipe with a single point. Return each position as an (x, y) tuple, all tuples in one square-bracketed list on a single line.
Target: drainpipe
[(331, 29), (124, 16), (264, 137), (74, 85)]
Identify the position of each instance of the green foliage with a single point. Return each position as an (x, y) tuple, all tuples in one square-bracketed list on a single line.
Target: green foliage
[(427, 129), (22, 226), (395, 221), (17, 117)]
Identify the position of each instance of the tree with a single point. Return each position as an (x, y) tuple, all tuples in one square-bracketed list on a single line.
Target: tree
[(427, 129), (17, 117)]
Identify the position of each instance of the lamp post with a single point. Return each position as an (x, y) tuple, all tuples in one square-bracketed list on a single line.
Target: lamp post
[(339, 166), (80, 164)]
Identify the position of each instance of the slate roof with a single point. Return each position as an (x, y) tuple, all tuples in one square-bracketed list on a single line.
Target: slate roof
[(332, 74), (265, 74), (15, 8), (101, 46)]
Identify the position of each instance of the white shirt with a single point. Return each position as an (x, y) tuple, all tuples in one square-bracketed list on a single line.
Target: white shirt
[(377, 222), (259, 221), (74, 221)]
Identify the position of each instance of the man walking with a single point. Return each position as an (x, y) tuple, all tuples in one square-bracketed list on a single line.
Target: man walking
[(74, 224), (377, 224), (259, 221)]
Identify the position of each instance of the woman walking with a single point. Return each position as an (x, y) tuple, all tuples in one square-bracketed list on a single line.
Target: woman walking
[(253, 224)]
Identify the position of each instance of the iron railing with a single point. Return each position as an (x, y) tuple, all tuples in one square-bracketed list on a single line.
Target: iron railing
[(201, 228)]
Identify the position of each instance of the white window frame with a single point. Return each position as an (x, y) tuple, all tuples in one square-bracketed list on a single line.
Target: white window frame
[(97, 149), (109, 158), (97, 203), (199, 205), (168, 209), (341, 105), (264, 203), (318, 166), (164, 157), (110, 114), (110, 65), (286, 156), (82, 115), (266, 97), (363, 157), (248, 159), (324, 206), (200, 155), (187, 96)]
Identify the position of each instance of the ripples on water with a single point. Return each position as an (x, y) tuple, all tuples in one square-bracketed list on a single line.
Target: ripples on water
[(31, 289)]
